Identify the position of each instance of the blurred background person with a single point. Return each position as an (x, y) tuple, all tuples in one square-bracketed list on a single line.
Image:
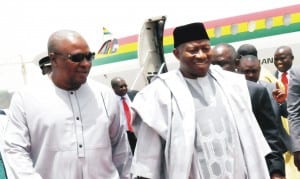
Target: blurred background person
[(125, 98), (293, 103), (226, 56), (43, 61), (283, 61), (250, 49), (45, 65)]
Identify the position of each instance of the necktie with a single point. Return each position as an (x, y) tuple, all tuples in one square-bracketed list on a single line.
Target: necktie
[(127, 114), (284, 80)]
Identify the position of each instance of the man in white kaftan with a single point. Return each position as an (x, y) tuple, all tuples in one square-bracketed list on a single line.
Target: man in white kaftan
[(66, 126), (196, 122)]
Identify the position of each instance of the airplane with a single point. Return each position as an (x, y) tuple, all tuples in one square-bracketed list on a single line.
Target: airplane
[(139, 57)]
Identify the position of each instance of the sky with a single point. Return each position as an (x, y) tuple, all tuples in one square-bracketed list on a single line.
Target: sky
[(27, 24)]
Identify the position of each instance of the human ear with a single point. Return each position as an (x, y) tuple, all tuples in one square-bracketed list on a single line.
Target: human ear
[(176, 53)]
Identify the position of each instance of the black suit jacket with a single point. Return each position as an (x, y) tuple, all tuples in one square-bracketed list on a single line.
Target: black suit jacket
[(2, 112), (265, 116), (131, 94), (280, 110)]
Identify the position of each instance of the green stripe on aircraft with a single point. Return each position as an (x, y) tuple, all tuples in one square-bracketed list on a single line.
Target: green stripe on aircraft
[(224, 39)]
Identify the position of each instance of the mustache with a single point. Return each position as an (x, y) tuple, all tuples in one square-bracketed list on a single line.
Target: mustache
[(200, 60)]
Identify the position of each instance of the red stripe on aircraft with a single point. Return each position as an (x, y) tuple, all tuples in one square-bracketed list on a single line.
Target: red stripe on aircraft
[(227, 21), (253, 16)]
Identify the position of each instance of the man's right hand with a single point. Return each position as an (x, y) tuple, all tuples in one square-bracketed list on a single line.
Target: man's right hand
[(278, 94)]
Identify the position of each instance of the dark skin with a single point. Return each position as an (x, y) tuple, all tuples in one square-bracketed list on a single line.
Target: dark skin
[(287, 57), (194, 57), (67, 74), (250, 67), (46, 70), (297, 159), (226, 53), (278, 94), (119, 86), (283, 58)]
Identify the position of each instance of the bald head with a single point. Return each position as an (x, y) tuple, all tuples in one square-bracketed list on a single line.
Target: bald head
[(225, 56), (63, 47), (57, 39), (286, 49), (250, 66), (250, 58), (247, 49), (283, 58), (119, 86), (114, 82)]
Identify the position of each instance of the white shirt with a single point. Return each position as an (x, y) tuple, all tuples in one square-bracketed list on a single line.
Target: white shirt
[(58, 134)]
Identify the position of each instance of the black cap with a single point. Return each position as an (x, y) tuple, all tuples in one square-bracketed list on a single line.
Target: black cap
[(45, 61), (189, 32)]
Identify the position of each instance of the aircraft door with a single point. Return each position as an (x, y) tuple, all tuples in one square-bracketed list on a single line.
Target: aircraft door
[(150, 48)]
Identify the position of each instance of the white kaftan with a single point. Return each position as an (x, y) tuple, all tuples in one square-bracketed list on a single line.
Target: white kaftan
[(217, 151), (165, 125), (59, 134)]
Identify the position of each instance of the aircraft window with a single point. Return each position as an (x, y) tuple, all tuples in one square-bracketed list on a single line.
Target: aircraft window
[(269, 23), (109, 46), (105, 47), (287, 19), (115, 46), (217, 32), (251, 26), (234, 29)]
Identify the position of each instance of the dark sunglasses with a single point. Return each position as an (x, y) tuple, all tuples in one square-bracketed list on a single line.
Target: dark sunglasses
[(78, 57)]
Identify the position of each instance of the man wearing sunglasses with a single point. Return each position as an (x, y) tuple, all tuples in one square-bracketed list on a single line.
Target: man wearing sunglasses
[(67, 126)]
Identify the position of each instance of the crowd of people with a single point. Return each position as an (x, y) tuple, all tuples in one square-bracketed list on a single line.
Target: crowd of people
[(213, 117)]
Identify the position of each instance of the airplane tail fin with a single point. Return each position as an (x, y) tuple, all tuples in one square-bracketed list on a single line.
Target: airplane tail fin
[(107, 42), (106, 31)]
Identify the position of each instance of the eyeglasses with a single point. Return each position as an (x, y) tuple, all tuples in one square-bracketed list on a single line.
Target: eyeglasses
[(78, 57)]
